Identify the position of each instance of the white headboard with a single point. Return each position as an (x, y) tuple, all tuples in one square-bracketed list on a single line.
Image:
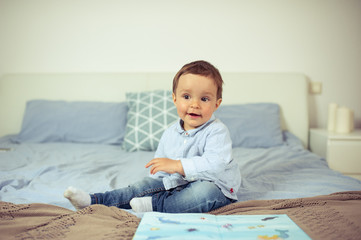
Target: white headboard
[(287, 89)]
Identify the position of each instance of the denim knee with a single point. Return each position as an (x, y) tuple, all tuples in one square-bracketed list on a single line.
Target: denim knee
[(147, 186), (205, 191), (195, 197)]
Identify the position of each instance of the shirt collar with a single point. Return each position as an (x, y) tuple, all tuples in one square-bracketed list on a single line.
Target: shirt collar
[(192, 132)]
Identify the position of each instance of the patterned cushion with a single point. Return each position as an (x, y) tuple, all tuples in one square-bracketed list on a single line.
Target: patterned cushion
[(150, 113)]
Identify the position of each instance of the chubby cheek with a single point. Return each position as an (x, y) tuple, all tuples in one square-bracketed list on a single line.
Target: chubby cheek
[(207, 112), (181, 109)]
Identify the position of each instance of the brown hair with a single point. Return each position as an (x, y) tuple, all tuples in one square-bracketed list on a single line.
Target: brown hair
[(202, 68)]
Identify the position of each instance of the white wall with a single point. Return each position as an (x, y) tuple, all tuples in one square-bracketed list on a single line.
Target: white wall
[(320, 38)]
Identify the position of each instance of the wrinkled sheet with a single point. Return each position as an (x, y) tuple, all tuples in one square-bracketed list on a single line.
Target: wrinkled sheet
[(39, 173)]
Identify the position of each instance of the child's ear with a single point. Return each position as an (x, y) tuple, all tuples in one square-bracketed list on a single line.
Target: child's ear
[(218, 103), (174, 98)]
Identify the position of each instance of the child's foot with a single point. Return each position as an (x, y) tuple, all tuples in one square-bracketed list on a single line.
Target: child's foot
[(142, 204), (78, 198)]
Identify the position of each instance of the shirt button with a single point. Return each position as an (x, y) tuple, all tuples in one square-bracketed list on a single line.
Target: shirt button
[(185, 141)]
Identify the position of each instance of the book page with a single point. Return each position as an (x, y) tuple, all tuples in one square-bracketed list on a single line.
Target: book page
[(155, 225)]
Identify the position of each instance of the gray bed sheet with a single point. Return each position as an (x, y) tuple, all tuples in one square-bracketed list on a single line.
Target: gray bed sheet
[(40, 172)]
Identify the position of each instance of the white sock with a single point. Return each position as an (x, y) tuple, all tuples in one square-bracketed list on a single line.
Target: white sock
[(142, 204), (77, 197)]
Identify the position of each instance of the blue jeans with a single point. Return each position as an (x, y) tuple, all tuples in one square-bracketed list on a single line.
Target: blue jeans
[(194, 197)]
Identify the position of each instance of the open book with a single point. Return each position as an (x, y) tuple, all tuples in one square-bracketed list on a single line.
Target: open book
[(155, 225)]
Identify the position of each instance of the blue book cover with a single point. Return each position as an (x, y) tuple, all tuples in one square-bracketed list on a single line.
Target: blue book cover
[(155, 225)]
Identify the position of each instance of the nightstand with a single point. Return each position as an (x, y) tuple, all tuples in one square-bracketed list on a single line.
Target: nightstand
[(342, 151)]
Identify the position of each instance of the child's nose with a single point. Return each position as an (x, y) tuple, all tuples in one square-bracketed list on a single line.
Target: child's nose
[(195, 103)]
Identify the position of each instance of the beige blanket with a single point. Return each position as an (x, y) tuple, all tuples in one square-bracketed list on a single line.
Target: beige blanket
[(335, 216)]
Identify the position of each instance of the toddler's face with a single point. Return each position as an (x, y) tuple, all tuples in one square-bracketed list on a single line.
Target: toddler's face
[(195, 99)]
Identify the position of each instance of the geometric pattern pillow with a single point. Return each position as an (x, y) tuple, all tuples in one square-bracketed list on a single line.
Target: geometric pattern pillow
[(149, 114)]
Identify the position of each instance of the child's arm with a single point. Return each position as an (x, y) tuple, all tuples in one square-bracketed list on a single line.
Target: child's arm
[(166, 165)]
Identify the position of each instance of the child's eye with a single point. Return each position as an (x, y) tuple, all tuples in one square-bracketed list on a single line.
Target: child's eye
[(205, 99), (186, 96)]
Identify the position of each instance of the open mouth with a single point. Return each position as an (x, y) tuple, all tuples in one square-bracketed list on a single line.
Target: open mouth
[(194, 115)]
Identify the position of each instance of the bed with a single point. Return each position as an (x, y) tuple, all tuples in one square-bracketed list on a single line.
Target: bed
[(96, 131)]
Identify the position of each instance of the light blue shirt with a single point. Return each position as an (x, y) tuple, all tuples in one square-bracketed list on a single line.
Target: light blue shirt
[(205, 153)]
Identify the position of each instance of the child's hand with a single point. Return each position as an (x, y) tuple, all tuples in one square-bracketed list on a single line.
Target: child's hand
[(166, 165)]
